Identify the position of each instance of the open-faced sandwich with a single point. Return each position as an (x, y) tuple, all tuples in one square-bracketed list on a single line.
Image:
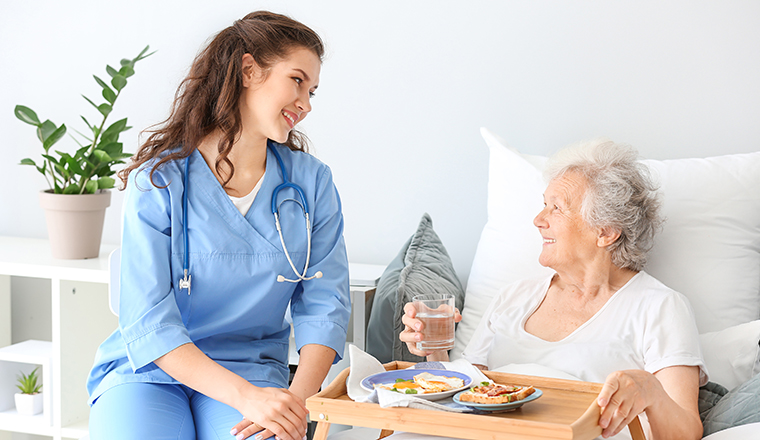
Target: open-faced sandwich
[(424, 383), (495, 393)]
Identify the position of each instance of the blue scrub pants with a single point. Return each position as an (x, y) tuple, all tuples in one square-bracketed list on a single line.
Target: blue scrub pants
[(150, 411)]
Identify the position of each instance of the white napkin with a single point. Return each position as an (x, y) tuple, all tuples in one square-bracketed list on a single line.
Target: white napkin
[(364, 364), (463, 366)]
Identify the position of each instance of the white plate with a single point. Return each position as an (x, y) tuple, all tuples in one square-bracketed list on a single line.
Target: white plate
[(369, 382)]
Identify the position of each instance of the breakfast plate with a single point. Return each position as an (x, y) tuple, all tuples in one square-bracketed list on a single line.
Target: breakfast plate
[(369, 383), (498, 406)]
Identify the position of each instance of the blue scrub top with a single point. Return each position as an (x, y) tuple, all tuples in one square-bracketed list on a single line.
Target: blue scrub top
[(235, 310)]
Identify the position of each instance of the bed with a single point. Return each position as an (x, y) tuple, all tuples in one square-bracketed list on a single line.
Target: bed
[(709, 250)]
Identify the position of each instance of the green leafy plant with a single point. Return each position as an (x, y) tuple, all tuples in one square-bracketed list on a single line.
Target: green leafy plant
[(90, 168), (27, 383)]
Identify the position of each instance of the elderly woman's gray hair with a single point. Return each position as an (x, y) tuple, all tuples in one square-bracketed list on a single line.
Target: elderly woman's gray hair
[(620, 195)]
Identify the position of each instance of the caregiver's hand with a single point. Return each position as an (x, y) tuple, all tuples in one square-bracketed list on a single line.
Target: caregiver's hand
[(414, 331), (276, 411), (625, 395)]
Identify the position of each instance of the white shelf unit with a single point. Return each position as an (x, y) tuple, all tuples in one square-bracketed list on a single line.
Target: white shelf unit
[(23, 358), (80, 320)]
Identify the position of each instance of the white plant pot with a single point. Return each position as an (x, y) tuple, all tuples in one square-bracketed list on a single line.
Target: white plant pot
[(28, 404), (75, 223)]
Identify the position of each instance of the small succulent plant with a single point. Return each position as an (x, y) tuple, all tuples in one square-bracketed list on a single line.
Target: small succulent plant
[(27, 383)]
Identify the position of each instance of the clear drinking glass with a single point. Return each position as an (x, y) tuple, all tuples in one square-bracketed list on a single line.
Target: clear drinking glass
[(436, 311)]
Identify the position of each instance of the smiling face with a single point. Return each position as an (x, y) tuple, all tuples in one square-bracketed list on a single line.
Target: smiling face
[(275, 100), (568, 241)]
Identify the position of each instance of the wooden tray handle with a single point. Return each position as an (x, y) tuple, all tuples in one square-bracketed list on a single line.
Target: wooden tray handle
[(337, 386), (587, 425)]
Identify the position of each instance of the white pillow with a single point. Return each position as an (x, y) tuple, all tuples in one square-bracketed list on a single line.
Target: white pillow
[(709, 249), (732, 356), (509, 245)]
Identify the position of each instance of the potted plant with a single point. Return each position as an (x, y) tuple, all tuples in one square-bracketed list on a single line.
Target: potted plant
[(80, 182), (29, 400)]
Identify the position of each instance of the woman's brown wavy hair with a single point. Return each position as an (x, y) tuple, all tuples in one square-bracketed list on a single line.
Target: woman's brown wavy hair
[(208, 98)]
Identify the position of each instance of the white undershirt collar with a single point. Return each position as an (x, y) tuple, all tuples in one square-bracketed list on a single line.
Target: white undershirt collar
[(243, 204)]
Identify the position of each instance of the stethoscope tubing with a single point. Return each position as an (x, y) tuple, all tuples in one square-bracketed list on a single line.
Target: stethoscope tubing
[(186, 265), (286, 183), (186, 281)]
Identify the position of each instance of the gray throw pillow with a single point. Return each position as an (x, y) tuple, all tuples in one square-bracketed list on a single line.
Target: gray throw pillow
[(422, 266), (709, 395), (739, 407)]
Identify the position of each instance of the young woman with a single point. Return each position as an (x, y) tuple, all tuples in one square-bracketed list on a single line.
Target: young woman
[(206, 274)]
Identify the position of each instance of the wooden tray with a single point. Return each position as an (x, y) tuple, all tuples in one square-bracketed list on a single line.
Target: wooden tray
[(567, 410)]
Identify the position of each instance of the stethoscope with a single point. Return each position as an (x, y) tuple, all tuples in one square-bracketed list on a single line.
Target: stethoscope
[(185, 282)]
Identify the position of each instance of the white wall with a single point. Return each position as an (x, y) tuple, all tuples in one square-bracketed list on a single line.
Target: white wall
[(404, 89)]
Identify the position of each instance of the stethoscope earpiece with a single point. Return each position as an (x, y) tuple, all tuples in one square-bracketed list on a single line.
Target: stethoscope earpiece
[(281, 278)]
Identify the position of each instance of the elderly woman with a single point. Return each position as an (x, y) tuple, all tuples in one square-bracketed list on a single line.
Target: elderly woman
[(600, 317)]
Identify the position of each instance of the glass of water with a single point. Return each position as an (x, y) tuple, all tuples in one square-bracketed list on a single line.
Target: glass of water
[(436, 311)]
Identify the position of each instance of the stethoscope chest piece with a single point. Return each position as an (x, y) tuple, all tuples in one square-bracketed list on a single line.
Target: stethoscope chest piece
[(184, 283)]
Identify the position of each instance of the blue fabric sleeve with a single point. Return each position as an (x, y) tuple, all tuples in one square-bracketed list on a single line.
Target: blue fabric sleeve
[(149, 319), (321, 307)]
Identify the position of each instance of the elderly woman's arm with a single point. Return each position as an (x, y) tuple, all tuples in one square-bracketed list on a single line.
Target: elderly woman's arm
[(669, 398)]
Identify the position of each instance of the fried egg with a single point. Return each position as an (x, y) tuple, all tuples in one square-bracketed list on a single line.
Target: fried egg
[(402, 387), (435, 384)]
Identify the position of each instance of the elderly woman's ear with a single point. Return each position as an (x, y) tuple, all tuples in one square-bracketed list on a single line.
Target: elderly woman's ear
[(607, 236)]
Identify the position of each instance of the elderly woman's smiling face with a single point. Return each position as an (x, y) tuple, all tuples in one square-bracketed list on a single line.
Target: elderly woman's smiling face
[(568, 240)]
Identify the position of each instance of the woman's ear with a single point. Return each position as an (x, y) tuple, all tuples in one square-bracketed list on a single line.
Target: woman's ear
[(250, 68), (607, 236)]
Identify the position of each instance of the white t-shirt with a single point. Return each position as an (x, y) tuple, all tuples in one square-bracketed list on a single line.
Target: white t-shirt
[(644, 325)]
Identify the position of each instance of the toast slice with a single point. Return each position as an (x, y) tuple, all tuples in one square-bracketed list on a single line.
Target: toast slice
[(496, 393)]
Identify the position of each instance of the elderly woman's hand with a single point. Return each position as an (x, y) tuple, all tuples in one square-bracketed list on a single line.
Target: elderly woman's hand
[(414, 330), (625, 395), (668, 395)]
